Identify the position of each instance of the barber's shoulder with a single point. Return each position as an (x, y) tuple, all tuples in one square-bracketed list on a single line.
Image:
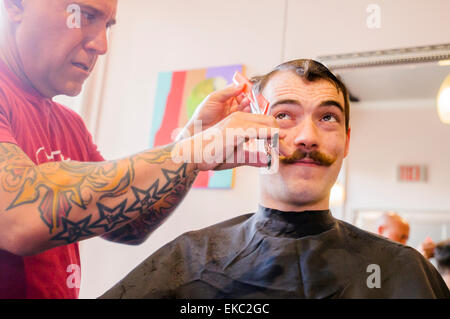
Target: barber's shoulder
[(70, 114), (8, 95), (67, 110), (4, 103)]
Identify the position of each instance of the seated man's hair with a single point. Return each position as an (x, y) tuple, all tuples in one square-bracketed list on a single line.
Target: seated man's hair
[(442, 256), (311, 71)]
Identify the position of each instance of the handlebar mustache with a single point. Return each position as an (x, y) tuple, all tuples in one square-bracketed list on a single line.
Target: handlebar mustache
[(316, 156)]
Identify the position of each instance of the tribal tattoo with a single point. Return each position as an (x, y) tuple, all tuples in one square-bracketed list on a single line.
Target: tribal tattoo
[(58, 186), (152, 215)]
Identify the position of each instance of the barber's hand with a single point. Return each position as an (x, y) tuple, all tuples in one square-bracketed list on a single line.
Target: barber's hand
[(222, 145), (427, 248), (217, 106)]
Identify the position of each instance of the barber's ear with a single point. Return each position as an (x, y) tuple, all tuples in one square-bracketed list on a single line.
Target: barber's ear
[(14, 10)]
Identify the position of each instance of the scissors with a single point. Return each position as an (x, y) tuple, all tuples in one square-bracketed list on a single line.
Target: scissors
[(258, 105)]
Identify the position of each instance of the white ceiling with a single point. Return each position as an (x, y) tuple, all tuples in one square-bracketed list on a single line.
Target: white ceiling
[(396, 82)]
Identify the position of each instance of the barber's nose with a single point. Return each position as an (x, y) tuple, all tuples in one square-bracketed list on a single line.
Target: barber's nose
[(307, 137), (99, 43)]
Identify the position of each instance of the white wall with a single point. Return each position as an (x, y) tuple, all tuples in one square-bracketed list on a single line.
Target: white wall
[(154, 36), (390, 134), (323, 27)]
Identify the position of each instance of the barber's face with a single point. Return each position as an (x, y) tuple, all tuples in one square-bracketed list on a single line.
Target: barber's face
[(311, 122), (57, 58)]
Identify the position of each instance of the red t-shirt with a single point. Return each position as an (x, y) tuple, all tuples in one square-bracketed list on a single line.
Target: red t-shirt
[(45, 131)]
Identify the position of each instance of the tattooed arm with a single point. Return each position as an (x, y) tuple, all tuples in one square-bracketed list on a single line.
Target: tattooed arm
[(154, 206), (63, 202), (57, 203), (214, 109)]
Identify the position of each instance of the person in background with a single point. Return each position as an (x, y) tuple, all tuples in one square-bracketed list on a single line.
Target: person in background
[(427, 248), (442, 256), (394, 227), (441, 253)]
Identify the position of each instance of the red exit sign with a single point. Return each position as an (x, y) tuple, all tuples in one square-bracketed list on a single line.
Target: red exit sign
[(412, 173)]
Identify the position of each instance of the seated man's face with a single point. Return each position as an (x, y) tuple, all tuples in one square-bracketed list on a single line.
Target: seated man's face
[(311, 122)]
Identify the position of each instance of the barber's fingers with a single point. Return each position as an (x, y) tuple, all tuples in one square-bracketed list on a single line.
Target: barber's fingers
[(240, 98), (242, 104), (252, 124), (243, 157), (230, 91), (226, 139), (260, 118), (247, 109), (256, 158), (245, 103)]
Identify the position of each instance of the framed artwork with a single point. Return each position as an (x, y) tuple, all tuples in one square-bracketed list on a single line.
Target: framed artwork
[(178, 94)]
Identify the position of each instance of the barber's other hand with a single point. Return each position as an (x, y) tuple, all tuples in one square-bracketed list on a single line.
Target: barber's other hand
[(217, 106), (221, 146)]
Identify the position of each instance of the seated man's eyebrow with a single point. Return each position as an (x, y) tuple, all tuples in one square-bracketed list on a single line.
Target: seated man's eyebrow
[(332, 103), (288, 101)]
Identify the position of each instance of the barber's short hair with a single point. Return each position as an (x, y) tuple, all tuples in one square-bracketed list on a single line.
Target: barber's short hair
[(442, 256), (309, 70)]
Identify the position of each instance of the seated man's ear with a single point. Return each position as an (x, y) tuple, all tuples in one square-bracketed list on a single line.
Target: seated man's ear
[(347, 142), (14, 10)]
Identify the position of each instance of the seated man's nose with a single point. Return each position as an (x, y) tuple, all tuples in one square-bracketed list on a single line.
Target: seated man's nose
[(307, 138)]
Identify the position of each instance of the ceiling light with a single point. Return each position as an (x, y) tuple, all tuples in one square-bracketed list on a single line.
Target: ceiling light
[(444, 62), (443, 101), (337, 195)]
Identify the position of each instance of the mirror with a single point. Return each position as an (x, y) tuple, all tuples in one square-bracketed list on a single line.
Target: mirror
[(395, 123)]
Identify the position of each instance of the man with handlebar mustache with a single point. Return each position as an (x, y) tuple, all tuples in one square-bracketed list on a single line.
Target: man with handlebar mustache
[(292, 247)]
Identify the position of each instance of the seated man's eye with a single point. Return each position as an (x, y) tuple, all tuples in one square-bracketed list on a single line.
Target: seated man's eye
[(282, 116), (329, 118)]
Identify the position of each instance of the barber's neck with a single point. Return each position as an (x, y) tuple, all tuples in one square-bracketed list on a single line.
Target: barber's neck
[(9, 54), (267, 200)]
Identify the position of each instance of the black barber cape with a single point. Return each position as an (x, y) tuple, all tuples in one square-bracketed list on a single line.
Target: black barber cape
[(275, 254)]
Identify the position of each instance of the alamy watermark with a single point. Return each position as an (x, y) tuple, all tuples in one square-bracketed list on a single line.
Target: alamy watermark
[(374, 279), (373, 20), (74, 277), (74, 18)]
